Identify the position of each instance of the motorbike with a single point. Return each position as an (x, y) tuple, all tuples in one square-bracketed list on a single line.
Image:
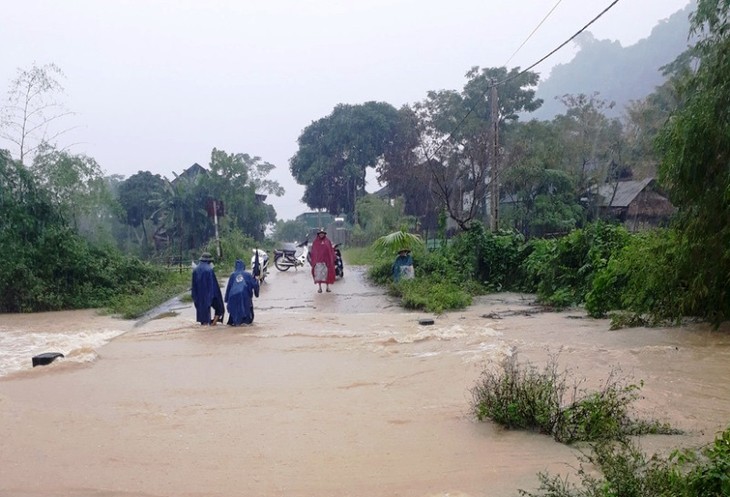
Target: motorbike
[(292, 256), (339, 267), (260, 264)]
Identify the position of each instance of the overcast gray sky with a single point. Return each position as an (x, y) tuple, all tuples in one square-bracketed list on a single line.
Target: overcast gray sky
[(157, 84)]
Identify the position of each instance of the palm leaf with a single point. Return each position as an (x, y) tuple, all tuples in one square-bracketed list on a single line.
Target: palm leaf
[(396, 241)]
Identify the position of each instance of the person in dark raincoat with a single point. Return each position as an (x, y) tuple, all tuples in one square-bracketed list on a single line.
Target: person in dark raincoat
[(323, 260), (206, 292), (403, 266), (241, 288)]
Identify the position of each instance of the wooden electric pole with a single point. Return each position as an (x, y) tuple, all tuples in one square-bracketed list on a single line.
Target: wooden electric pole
[(493, 158)]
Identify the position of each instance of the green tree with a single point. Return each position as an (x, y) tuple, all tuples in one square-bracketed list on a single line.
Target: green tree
[(137, 196), (645, 119), (403, 172), (695, 168), (335, 152), (239, 180), (183, 219), (592, 142), (455, 135), (77, 186), (538, 196)]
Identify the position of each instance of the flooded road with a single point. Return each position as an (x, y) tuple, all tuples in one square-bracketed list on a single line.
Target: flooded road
[(341, 394)]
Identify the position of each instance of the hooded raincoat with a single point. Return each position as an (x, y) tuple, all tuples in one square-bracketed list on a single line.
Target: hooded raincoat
[(206, 292), (241, 288), (323, 253)]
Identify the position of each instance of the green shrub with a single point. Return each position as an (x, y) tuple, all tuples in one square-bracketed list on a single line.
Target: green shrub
[(522, 397), (491, 259), (432, 296), (641, 280), (133, 305), (622, 469), (562, 270)]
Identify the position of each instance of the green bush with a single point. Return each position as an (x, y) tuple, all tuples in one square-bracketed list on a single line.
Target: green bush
[(133, 305), (432, 296), (561, 271), (522, 397), (491, 259), (641, 280), (622, 469)]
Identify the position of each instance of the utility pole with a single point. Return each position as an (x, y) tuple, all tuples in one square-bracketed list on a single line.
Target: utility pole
[(493, 157)]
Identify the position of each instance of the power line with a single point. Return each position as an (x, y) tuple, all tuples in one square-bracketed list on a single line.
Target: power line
[(533, 32), (561, 45), (508, 79)]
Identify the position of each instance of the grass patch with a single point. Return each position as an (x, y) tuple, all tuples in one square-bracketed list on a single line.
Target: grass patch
[(135, 305), (360, 256), (523, 397)]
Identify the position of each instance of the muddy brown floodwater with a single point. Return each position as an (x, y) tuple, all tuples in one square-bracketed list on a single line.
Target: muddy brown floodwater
[(340, 394)]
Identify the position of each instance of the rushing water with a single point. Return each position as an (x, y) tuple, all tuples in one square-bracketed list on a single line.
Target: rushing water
[(326, 394), (76, 334)]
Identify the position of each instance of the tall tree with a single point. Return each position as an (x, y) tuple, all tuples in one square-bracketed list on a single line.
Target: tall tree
[(696, 167), (237, 179), (33, 110), (455, 135), (403, 172), (183, 219), (137, 196), (539, 194), (335, 152), (592, 141), (75, 181)]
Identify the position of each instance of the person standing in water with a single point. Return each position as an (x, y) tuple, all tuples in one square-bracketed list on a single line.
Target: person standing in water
[(323, 260), (241, 288), (206, 292)]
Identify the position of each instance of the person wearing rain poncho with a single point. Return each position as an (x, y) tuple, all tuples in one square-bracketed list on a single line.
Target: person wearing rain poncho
[(241, 288), (206, 292), (403, 266), (323, 260)]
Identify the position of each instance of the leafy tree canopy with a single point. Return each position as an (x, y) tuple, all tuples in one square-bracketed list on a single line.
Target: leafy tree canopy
[(696, 166), (335, 152), (137, 194)]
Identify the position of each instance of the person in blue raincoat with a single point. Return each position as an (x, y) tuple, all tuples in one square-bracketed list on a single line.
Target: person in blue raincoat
[(403, 266), (206, 292), (241, 288)]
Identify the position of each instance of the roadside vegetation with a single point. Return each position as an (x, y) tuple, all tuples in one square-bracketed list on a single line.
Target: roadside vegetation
[(621, 468), (134, 305), (549, 401)]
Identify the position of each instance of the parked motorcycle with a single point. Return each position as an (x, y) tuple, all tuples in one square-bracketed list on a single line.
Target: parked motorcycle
[(260, 264), (289, 257), (339, 267)]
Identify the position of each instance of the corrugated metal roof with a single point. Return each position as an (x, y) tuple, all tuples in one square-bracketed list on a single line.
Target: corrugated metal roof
[(626, 192)]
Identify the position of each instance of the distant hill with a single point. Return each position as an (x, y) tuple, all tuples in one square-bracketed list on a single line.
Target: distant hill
[(619, 74)]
